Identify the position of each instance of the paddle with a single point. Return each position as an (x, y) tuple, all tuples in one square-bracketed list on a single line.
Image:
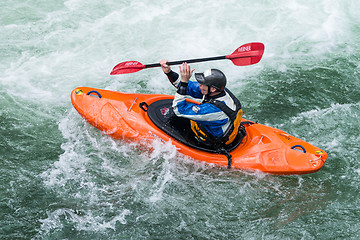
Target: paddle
[(244, 55)]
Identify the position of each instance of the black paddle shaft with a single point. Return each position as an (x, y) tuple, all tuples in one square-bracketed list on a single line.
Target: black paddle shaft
[(188, 61)]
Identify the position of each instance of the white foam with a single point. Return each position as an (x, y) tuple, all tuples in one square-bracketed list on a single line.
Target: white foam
[(43, 59), (81, 221), (79, 49)]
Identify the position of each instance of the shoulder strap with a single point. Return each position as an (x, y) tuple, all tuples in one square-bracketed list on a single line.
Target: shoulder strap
[(223, 107), (229, 112)]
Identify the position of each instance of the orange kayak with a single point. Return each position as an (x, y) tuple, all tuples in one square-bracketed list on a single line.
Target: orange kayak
[(144, 117)]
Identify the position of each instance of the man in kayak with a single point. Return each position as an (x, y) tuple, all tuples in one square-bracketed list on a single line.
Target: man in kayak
[(216, 121)]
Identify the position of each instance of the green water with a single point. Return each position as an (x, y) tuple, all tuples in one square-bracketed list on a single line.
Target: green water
[(63, 179)]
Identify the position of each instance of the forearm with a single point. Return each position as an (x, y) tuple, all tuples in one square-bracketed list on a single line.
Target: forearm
[(173, 78)]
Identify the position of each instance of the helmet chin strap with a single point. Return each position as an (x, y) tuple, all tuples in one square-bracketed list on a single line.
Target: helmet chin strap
[(208, 93)]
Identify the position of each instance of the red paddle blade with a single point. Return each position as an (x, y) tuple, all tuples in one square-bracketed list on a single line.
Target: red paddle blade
[(247, 54), (127, 67)]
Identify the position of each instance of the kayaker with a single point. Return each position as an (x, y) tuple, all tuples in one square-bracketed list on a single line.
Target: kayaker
[(216, 121)]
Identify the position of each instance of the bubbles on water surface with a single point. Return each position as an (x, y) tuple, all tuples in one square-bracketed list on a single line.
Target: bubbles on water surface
[(107, 189)]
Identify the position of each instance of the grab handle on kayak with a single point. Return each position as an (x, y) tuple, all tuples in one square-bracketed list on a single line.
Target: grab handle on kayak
[(141, 105), (299, 146), (93, 91)]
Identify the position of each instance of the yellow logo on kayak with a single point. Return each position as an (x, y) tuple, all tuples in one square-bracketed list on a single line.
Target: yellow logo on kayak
[(79, 91), (319, 152)]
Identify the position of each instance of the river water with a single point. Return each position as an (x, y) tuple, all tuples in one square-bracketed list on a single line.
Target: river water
[(63, 179)]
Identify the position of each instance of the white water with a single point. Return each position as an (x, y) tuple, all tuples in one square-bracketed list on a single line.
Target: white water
[(101, 188)]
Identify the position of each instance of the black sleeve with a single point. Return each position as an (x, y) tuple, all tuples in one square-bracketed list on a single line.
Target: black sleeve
[(182, 88), (172, 76)]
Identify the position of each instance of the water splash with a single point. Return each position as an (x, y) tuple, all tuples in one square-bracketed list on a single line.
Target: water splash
[(86, 185)]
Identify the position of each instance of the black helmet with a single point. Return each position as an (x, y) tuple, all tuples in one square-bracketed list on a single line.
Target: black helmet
[(212, 78)]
